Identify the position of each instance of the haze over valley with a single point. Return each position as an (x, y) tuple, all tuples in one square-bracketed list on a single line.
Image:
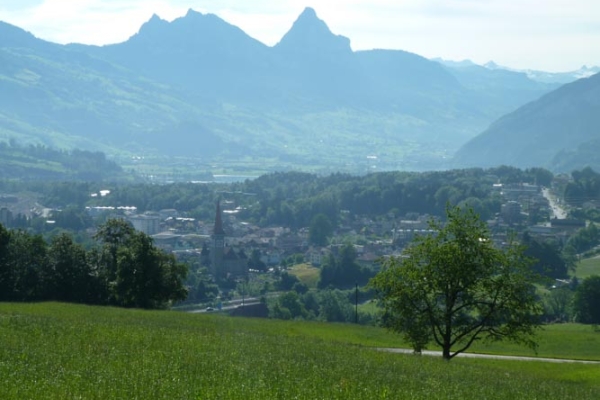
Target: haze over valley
[(201, 93)]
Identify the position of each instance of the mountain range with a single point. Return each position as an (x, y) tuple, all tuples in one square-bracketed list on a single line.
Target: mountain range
[(559, 131), (536, 75), (199, 87)]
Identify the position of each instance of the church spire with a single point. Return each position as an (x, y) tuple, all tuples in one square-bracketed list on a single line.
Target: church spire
[(218, 229)]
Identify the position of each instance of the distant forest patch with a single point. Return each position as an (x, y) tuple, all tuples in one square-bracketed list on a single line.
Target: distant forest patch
[(39, 162)]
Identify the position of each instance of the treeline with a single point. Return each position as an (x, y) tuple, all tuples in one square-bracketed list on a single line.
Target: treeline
[(331, 305), (576, 302), (583, 188), (123, 269), (292, 199), (343, 271), (39, 162)]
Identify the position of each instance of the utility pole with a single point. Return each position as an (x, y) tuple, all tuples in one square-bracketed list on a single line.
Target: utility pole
[(356, 303)]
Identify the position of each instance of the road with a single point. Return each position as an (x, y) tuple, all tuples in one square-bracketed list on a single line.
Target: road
[(491, 356), (557, 211), (233, 304)]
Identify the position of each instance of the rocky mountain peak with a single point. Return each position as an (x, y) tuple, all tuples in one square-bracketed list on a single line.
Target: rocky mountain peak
[(311, 34)]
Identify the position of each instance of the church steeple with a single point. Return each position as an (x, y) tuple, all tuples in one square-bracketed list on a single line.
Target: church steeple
[(218, 228), (218, 244), (224, 261)]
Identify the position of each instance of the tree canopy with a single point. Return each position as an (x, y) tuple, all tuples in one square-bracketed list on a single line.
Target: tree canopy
[(320, 230), (586, 302), (343, 271), (126, 269), (455, 287)]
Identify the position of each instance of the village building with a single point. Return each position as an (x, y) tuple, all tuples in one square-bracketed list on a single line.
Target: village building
[(147, 223)]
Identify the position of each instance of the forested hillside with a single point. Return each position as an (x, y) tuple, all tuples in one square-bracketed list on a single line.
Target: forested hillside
[(38, 163)]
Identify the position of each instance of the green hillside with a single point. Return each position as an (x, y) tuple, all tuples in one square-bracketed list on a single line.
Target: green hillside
[(201, 88), (57, 351), (42, 163)]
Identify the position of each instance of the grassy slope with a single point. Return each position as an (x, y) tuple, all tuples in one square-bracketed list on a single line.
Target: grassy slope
[(306, 273), (588, 267), (61, 351)]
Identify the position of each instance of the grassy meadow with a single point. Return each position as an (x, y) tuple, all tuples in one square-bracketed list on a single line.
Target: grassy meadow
[(588, 267), (306, 274), (59, 351)]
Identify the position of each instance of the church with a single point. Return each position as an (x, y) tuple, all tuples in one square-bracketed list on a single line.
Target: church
[(224, 261)]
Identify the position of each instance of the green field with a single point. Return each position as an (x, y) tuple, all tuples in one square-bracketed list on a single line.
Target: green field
[(587, 267), (58, 351), (306, 274)]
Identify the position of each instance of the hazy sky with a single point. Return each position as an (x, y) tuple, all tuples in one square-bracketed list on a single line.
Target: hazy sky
[(551, 35)]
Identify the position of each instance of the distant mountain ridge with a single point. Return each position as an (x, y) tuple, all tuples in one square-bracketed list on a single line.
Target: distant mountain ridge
[(201, 87), (535, 75), (559, 131)]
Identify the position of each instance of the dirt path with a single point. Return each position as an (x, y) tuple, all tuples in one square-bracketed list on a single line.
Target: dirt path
[(491, 356)]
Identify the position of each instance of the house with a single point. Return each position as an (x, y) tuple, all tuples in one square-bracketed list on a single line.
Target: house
[(149, 224), (316, 256)]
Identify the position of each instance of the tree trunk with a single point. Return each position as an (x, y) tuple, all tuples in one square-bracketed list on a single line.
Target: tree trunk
[(446, 352)]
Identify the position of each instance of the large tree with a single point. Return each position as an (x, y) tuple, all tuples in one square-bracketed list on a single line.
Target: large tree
[(455, 287), (70, 274), (320, 230), (586, 302), (343, 271), (135, 272), (6, 275)]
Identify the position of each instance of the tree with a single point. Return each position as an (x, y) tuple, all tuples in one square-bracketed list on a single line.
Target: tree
[(586, 302), (291, 301), (27, 266), (6, 274), (71, 278), (343, 271), (548, 259), (320, 230), (557, 304), (287, 281), (255, 262), (585, 238), (454, 287), (73, 218), (334, 306), (136, 273)]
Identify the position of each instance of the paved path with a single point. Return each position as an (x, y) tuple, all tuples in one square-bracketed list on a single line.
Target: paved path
[(491, 356)]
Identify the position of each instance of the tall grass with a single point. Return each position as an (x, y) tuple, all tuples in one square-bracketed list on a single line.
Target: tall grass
[(57, 351)]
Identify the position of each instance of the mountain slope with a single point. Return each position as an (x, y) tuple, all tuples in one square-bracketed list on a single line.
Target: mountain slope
[(501, 89), (533, 135), (61, 97), (200, 87)]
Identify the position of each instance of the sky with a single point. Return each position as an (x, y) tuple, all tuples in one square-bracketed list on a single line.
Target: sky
[(547, 35)]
